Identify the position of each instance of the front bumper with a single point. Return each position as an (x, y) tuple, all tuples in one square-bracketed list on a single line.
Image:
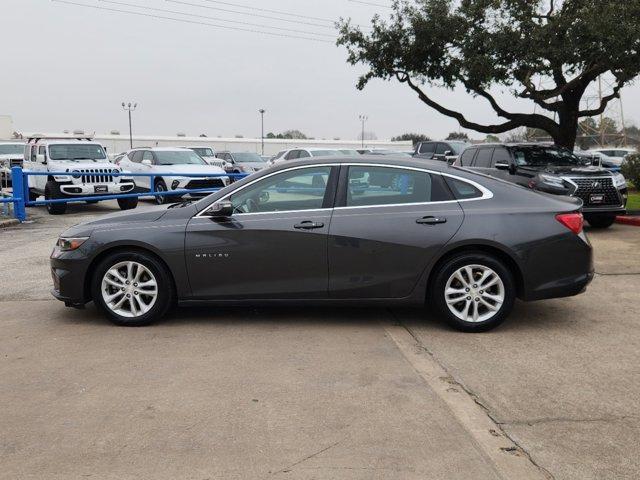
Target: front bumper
[(68, 272), (84, 189)]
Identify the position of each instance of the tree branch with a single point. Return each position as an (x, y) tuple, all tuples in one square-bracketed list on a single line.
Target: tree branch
[(604, 102), (515, 119)]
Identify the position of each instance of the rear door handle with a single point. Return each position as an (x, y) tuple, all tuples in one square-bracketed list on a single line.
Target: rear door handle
[(431, 220), (308, 225)]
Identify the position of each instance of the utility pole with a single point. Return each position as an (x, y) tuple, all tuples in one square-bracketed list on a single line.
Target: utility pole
[(363, 118), (130, 108), (262, 110)]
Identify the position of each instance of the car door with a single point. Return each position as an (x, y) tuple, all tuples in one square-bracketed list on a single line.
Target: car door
[(502, 165), (441, 150), (427, 150), (388, 224), (482, 161), (275, 243)]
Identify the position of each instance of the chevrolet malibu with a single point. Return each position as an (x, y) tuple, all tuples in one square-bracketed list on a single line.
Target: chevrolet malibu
[(385, 231)]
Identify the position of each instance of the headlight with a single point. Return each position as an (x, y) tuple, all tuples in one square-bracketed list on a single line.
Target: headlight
[(619, 181), (69, 244), (555, 181)]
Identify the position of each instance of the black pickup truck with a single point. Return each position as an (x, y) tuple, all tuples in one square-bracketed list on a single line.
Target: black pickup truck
[(556, 170)]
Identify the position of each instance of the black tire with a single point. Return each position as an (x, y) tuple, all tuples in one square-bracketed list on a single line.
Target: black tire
[(445, 272), (128, 203), (164, 287), (33, 196), (600, 221), (52, 192), (160, 186)]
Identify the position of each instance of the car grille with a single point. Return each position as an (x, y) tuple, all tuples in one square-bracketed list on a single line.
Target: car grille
[(206, 183), (97, 175), (599, 186)]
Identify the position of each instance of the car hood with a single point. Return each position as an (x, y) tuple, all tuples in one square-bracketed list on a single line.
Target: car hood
[(148, 215), (11, 156), (211, 169), (582, 171), (81, 165)]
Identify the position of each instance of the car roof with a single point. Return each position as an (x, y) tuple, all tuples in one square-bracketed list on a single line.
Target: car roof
[(386, 160)]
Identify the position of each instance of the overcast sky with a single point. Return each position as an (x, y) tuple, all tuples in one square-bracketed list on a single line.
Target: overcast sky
[(69, 67)]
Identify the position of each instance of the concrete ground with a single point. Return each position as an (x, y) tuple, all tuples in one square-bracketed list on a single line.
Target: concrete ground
[(317, 393)]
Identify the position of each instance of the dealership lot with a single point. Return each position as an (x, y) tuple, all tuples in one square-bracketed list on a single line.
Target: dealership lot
[(317, 393)]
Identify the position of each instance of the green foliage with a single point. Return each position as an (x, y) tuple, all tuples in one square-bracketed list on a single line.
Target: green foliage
[(518, 45), (631, 169), (288, 134), (492, 139), (457, 136), (414, 137)]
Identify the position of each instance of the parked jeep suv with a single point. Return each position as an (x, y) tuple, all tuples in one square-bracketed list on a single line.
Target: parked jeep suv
[(554, 170), (87, 172)]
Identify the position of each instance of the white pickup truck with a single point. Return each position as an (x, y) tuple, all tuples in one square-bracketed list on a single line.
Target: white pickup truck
[(11, 154)]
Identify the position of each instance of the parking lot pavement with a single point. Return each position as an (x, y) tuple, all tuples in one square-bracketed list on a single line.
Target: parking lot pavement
[(317, 393)]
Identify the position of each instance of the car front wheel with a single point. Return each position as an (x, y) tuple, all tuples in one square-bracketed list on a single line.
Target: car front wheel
[(52, 192), (133, 289), (474, 292)]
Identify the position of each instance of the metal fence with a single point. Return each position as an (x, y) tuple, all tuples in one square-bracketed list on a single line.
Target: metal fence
[(20, 184)]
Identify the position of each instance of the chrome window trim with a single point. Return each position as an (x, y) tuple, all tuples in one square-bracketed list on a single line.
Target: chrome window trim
[(486, 193)]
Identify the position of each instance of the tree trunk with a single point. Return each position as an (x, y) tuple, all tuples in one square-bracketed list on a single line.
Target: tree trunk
[(568, 123)]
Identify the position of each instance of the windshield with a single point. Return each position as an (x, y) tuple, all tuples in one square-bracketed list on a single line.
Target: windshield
[(11, 149), (178, 157), (247, 157), (458, 147), (323, 153), (203, 151), (76, 151), (535, 156)]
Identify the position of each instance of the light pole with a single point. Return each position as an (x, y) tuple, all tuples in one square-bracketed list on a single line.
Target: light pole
[(129, 107), (363, 118), (262, 110)]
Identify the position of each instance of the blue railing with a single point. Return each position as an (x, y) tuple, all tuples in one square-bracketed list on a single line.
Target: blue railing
[(20, 196)]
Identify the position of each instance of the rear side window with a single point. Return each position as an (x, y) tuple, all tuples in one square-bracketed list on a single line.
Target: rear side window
[(427, 148), (293, 154), (463, 190), (467, 157), (483, 159), (370, 185), (304, 154)]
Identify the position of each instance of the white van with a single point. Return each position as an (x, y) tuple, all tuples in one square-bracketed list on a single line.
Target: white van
[(87, 171)]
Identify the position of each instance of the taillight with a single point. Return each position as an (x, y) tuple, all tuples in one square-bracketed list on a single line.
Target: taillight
[(573, 221)]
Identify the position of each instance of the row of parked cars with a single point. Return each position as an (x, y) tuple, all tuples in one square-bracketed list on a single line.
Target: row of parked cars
[(91, 173)]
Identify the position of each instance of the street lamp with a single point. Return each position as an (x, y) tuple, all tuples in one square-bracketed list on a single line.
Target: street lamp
[(363, 118), (262, 110), (129, 107)]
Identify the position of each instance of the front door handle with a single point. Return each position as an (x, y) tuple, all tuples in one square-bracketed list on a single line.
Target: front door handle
[(431, 220), (308, 225)]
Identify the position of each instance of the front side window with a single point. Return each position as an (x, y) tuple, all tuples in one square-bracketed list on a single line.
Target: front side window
[(178, 157), (76, 151), (203, 151), (427, 147), (292, 155), (299, 189), (441, 148), (467, 157), (542, 156), (248, 157), (501, 155), (371, 185), (324, 153), (303, 154), (147, 155)]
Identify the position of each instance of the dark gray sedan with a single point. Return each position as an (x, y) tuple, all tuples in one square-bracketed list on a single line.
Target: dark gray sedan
[(351, 231)]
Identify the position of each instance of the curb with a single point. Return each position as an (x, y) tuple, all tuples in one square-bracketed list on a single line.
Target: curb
[(629, 220), (10, 222)]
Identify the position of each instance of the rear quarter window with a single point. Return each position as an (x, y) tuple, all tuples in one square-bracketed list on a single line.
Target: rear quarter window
[(463, 190)]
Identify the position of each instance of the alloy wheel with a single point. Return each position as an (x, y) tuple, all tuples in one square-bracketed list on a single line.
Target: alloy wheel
[(129, 289), (474, 293)]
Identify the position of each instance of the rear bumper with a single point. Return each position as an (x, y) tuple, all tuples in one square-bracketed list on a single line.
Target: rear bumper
[(564, 287)]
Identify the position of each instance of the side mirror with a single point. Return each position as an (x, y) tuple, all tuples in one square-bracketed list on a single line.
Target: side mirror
[(40, 158), (448, 153), (146, 162), (221, 209), (502, 166)]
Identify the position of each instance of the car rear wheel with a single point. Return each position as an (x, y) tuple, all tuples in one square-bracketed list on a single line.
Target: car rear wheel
[(52, 192), (160, 187), (474, 292), (600, 221), (128, 203), (133, 289)]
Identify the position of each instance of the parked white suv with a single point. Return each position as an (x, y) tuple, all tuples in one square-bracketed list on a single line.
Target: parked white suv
[(87, 169), (172, 160), (614, 155), (210, 156), (11, 155), (299, 153)]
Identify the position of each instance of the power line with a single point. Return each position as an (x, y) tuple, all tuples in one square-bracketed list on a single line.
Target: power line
[(214, 18), (371, 4), (140, 14), (298, 22), (280, 12)]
